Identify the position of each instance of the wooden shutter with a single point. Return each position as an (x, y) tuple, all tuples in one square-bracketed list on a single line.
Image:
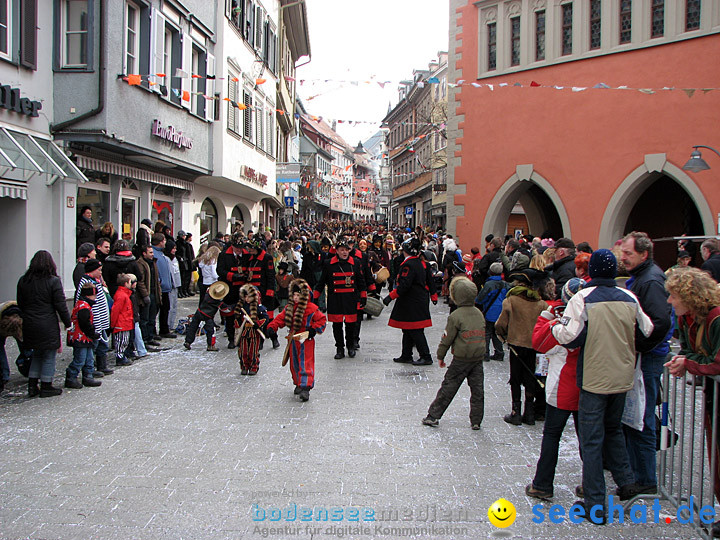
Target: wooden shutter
[(209, 87), (232, 109), (28, 33)]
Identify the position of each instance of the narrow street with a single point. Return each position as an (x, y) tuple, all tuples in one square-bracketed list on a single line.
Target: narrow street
[(179, 445)]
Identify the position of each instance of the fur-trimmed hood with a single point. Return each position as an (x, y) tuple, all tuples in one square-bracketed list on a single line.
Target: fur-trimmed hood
[(249, 295), (294, 313)]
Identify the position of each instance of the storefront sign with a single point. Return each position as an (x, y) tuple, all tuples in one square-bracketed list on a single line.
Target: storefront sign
[(170, 134), (253, 176), (10, 99), (288, 173)]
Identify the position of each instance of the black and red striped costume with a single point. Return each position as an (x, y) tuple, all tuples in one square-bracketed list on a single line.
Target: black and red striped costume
[(260, 272), (230, 270)]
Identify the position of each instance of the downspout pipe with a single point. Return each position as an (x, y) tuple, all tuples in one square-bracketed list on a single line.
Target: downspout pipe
[(55, 128)]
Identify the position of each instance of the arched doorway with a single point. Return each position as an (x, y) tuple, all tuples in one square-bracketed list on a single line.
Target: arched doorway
[(237, 220), (659, 199), (208, 221), (528, 193)]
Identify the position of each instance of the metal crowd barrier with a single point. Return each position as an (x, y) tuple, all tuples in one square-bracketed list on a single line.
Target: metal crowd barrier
[(685, 475)]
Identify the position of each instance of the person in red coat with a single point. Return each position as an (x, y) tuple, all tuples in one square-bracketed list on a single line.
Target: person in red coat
[(300, 315), (562, 392), (122, 317), (411, 313)]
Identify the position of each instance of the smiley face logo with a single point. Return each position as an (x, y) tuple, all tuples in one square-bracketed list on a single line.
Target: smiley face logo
[(501, 513)]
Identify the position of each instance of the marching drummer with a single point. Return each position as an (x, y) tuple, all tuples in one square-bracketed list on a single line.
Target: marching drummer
[(343, 275)]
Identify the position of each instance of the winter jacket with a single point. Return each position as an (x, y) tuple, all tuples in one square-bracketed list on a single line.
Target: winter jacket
[(518, 317), (490, 298), (283, 282), (260, 270), (163, 267), (561, 271), (148, 281), (465, 327), (712, 266), (345, 287), (85, 232), (414, 289), (83, 333), (122, 318), (601, 319), (484, 266), (561, 389), (143, 237), (8, 309), (174, 272), (42, 301), (118, 263), (516, 261), (701, 358), (100, 309), (647, 282)]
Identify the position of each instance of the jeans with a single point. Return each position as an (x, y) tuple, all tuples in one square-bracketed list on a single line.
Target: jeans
[(641, 445), (459, 370), (4, 367), (172, 312), (100, 346), (43, 365), (139, 343), (601, 436), (555, 420), (83, 361)]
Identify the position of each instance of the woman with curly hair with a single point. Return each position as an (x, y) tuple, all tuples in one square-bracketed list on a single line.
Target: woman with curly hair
[(696, 298)]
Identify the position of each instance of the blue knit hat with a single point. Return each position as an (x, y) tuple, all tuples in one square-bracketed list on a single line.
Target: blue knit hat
[(603, 264), (572, 286)]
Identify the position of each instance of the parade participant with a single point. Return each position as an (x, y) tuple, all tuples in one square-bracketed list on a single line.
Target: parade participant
[(696, 299), (299, 316), (343, 276), (230, 270), (465, 336), (561, 389), (80, 337), (211, 302), (122, 317), (520, 311), (260, 271), (248, 331), (283, 280), (411, 313), (361, 256)]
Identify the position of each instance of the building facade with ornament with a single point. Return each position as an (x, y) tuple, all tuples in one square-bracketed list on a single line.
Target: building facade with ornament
[(584, 113), (365, 190), (413, 153), (315, 179)]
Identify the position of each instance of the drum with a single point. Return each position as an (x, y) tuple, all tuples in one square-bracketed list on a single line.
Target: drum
[(373, 306), (382, 276)]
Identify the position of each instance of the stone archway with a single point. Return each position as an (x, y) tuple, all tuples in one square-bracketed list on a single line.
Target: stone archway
[(626, 197), (542, 204)]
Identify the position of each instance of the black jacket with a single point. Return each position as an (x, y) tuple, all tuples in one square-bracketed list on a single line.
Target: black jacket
[(562, 271), (114, 266), (649, 286), (85, 231), (414, 289), (712, 265), (41, 302), (484, 265)]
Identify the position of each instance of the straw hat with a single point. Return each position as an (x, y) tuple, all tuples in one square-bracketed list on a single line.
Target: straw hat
[(218, 290)]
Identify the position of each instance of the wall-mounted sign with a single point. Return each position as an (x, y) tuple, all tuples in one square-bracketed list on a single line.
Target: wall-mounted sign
[(10, 99), (71, 202), (253, 176), (409, 210), (287, 173), (289, 201), (170, 134)]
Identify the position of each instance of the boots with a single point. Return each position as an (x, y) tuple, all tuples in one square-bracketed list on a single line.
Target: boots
[(48, 390), (275, 342), (340, 353), (514, 417), (101, 364), (528, 416), (33, 389), (72, 383), (90, 381)]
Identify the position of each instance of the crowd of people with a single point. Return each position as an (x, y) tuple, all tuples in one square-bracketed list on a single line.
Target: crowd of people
[(577, 323)]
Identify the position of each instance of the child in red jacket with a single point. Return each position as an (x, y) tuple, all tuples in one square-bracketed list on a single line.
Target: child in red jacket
[(122, 318)]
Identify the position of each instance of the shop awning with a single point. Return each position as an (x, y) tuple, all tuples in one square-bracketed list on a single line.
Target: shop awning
[(133, 172), (24, 156)]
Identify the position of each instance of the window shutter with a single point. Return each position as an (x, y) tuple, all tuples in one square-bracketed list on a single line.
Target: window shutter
[(209, 87), (157, 48), (28, 33), (186, 82), (232, 110), (259, 27), (248, 127)]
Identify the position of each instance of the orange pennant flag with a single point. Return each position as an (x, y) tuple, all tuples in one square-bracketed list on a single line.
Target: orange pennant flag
[(235, 79), (227, 99), (348, 167), (242, 106), (194, 76), (160, 75), (152, 83), (260, 81), (134, 80), (186, 95), (280, 111)]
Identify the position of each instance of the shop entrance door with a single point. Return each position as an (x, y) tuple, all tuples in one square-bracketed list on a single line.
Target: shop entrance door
[(129, 218)]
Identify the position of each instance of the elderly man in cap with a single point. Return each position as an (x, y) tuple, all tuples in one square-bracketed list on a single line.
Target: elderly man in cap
[(343, 275), (563, 269)]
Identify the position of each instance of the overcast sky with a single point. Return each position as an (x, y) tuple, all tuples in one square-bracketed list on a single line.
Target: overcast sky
[(375, 40)]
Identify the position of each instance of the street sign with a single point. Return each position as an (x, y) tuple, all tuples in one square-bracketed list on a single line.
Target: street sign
[(287, 173), (409, 210), (289, 201)]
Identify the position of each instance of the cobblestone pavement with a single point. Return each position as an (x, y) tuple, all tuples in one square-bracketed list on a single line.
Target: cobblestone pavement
[(180, 445)]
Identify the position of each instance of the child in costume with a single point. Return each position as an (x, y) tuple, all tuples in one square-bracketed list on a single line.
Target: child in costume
[(300, 315), (211, 302), (81, 335), (247, 334)]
